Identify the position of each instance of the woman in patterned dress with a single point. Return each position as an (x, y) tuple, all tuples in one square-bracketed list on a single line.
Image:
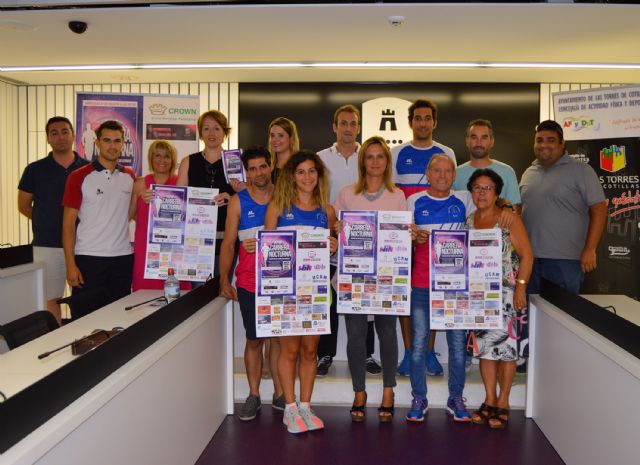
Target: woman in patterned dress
[(497, 349)]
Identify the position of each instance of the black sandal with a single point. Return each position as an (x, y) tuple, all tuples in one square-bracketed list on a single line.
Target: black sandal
[(385, 414), (358, 412), (501, 415), (480, 416)]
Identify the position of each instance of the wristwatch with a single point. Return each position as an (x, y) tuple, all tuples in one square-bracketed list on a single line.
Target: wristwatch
[(509, 205)]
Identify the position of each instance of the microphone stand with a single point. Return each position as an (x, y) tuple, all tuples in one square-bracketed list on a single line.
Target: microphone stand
[(131, 307), (46, 354)]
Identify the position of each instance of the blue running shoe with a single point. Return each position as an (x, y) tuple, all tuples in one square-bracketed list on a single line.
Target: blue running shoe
[(433, 365), (457, 409), (419, 406), (403, 368)]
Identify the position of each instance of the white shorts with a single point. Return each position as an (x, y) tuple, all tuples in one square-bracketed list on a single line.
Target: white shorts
[(55, 271)]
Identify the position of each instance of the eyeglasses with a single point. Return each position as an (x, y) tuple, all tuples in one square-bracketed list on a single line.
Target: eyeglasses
[(479, 188)]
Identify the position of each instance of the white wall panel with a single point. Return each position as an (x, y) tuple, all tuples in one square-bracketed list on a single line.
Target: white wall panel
[(24, 111), (547, 91)]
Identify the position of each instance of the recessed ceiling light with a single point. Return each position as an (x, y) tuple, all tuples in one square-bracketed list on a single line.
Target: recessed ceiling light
[(396, 21)]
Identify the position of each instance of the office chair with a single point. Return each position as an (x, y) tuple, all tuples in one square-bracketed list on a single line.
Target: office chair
[(87, 301), (27, 328)]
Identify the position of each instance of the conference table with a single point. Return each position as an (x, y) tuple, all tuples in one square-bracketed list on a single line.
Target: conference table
[(22, 290), (584, 375), (161, 405)]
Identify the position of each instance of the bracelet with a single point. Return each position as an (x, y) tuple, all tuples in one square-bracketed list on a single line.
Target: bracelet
[(521, 281)]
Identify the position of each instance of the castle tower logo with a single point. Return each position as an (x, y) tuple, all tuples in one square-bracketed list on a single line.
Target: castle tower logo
[(387, 117)]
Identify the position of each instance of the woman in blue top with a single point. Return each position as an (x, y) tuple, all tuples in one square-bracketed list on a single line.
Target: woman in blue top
[(300, 201)]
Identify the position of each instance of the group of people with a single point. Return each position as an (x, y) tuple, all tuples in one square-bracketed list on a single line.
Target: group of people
[(551, 225)]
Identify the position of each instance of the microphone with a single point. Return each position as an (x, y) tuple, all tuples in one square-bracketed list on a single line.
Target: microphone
[(131, 307)]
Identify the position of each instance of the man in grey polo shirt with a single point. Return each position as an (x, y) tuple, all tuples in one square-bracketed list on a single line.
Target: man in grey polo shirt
[(564, 211)]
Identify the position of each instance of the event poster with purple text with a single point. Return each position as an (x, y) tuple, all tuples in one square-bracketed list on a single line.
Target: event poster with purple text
[(232, 164), (93, 109), (357, 242), (181, 233), (479, 304), (167, 214), (448, 251), (387, 291), (276, 255), (292, 276)]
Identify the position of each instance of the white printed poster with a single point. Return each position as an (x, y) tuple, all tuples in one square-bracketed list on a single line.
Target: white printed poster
[(466, 279), (182, 231), (374, 257), (292, 283)]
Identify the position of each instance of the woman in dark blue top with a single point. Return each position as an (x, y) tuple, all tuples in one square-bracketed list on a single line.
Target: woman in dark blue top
[(300, 201)]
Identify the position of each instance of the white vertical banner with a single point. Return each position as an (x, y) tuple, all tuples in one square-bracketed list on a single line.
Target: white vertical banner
[(173, 118)]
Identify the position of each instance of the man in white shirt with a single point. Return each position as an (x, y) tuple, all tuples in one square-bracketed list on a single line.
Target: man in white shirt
[(341, 160)]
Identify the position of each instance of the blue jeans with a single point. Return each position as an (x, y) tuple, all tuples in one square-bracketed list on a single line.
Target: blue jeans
[(456, 340), (565, 273)]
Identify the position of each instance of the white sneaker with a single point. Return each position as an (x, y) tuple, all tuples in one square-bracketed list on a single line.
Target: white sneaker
[(293, 421), (310, 418)]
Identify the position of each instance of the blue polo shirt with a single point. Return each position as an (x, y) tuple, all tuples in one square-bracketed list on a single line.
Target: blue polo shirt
[(45, 179)]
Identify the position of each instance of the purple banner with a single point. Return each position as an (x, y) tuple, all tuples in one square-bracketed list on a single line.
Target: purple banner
[(94, 109), (449, 260), (358, 241), (276, 262)]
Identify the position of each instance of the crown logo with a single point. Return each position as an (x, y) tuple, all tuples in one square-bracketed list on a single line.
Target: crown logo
[(157, 109)]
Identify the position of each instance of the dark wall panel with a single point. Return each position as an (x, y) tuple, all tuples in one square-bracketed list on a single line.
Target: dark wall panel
[(513, 109)]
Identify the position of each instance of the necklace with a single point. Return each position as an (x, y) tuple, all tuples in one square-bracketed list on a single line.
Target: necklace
[(212, 170), (375, 196)]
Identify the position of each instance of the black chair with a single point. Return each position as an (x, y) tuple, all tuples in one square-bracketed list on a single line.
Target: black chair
[(87, 301), (27, 328)]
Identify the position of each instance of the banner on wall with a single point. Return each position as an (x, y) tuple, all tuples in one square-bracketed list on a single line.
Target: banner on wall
[(292, 283), (374, 262), (466, 279), (144, 118), (602, 128)]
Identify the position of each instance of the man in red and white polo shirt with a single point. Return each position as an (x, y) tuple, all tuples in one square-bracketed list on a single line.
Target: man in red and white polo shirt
[(97, 196)]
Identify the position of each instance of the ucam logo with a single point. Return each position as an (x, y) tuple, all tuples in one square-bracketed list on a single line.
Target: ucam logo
[(613, 158), (387, 117), (578, 124)]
